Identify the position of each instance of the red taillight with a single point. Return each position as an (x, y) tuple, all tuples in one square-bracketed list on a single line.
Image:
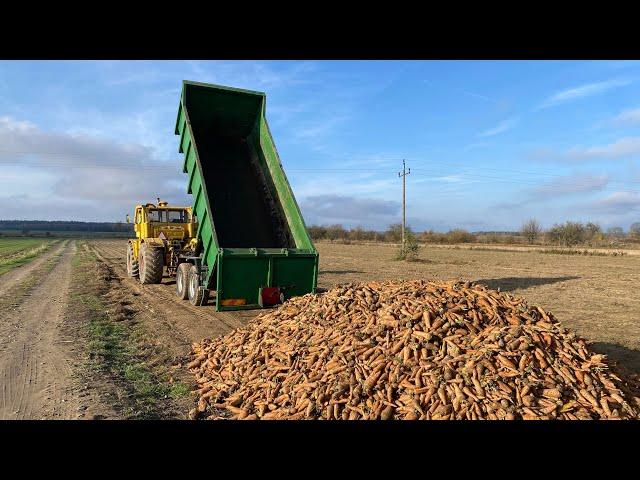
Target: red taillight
[(270, 296)]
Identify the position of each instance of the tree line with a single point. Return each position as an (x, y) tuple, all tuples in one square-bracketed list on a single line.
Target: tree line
[(568, 234), (565, 234), (577, 233), (28, 226)]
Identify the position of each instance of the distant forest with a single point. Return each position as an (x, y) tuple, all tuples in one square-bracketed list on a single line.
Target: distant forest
[(27, 226)]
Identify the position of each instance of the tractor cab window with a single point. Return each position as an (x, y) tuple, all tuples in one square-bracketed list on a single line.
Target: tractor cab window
[(154, 215), (167, 216), (178, 216)]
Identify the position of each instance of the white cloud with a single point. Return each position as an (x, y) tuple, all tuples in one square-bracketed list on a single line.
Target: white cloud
[(500, 128), (631, 116), (565, 186), (456, 178), (310, 183), (618, 203), (623, 147), (571, 184), (582, 91), (97, 178), (318, 133), (349, 211), (253, 75)]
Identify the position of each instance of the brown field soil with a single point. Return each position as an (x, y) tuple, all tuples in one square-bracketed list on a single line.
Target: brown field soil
[(541, 248), (42, 349), (595, 295)]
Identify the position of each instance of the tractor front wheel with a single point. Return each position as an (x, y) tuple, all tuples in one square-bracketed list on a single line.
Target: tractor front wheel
[(197, 295), (151, 264), (132, 263), (182, 281)]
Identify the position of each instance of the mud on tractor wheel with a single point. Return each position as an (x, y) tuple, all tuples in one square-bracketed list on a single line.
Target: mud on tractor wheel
[(151, 264), (132, 263)]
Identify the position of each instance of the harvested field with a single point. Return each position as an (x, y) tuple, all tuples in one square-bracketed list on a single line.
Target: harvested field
[(594, 295), (408, 350), (15, 252), (570, 286)]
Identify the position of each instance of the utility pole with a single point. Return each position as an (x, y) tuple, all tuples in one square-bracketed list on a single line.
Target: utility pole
[(404, 174)]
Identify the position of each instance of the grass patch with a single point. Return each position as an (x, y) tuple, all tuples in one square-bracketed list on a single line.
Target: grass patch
[(180, 390), (16, 252), (9, 246), (13, 296), (115, 349)]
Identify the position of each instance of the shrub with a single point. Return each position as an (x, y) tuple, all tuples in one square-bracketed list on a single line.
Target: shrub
[(615, 232), (336, 232), (459, 235), (393, 233), (409, 251), (530, 230), (567, 234), (317, 232)]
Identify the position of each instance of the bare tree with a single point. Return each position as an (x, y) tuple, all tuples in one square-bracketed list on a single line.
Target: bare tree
[(530, 230), (634, 230), (617, 232)]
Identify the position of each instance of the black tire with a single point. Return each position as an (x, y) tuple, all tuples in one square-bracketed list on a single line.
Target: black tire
[(182, 281), (132, 263), (197, 296), (151, 264)]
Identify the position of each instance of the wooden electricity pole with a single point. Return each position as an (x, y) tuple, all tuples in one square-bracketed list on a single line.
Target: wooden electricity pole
[(404, 174)]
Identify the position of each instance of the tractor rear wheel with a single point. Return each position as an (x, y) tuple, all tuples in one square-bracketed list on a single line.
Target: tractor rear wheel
[(182, 281), (151, 264), (132, 263), (197, 295)]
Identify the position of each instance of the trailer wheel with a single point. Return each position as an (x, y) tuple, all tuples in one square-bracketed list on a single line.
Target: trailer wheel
[(197, 295), (182, 281), (151, 264), (132, 263)]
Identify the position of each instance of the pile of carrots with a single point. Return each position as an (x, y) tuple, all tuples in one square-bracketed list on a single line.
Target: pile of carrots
[(408, 350)]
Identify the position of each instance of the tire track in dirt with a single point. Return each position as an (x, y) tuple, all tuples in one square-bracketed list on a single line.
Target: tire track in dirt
[(163, 306), (169, 325), (35, 368)]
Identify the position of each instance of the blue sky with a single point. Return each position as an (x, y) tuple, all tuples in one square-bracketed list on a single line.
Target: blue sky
[(490, 144)]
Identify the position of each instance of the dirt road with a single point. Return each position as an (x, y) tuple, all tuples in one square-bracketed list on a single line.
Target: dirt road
[(175, 318), (35, 361)]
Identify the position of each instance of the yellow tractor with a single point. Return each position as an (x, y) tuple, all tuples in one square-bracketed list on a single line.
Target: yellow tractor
[(165, 238)]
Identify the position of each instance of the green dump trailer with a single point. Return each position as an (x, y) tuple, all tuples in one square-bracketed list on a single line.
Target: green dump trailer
[(254, 247)]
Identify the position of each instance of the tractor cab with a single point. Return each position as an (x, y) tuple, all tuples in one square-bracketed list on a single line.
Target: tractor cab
[(164, 222)]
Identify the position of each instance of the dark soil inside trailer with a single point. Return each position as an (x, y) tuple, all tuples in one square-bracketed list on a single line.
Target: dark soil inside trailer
[(245, 212)]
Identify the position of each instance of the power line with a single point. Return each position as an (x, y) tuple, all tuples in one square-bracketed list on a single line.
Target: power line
[(419, 172), (178, 160), (404, 174)]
